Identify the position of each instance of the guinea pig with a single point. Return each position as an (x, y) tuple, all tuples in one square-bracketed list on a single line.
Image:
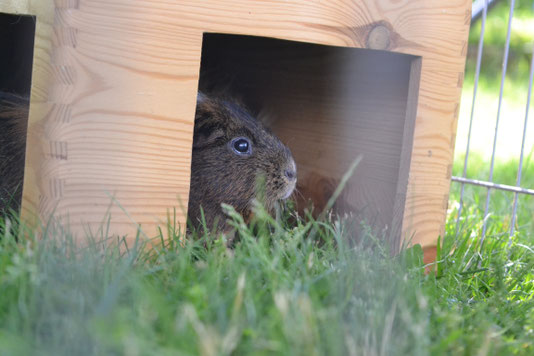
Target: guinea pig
[(235, 160), (13, 121)]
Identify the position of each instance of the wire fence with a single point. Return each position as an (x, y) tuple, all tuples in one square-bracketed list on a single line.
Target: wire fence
[(479, 12)]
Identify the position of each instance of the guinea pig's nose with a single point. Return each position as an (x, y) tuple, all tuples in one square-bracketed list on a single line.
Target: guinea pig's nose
[(290, 174)]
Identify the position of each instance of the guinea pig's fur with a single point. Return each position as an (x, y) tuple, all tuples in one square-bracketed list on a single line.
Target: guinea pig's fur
[(13, 122), (219, 174)]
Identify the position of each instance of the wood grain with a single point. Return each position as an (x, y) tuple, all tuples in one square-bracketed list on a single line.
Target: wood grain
[(124, 75)]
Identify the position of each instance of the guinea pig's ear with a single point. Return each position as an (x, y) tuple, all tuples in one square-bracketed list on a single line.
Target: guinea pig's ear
[(266, 117), (208, 122)]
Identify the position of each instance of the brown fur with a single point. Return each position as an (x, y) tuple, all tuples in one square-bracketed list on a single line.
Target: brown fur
[(219, 175), (13, 122)]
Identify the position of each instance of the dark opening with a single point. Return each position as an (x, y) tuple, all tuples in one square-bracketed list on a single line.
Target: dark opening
[(329, 105), (17, 33)]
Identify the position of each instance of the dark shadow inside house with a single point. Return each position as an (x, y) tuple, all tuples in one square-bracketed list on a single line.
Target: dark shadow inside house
[(17, 34), (329, 105)]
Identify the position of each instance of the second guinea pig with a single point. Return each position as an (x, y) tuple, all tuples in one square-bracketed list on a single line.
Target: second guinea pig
[(13, 121), (234, 158)]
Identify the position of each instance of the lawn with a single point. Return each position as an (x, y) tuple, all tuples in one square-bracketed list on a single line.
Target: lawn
[(286, 288)]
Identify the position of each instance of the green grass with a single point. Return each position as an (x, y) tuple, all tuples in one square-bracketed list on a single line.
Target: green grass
[(296, 288), (521, 46)]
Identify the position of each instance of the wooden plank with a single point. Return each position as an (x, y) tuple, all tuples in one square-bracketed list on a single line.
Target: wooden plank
[(121, 145), (400, 233), (132, 75)]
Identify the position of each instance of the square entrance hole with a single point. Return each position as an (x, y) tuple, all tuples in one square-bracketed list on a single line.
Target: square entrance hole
[(329, 105), (17, 33)]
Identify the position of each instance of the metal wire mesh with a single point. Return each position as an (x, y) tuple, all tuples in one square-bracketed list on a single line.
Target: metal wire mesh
[(480, 9)]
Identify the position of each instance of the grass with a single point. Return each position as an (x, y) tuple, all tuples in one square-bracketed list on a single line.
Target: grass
[(299, 288), (521, 46)]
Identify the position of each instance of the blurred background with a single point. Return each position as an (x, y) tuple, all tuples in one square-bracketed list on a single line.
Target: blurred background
[(512, 116)]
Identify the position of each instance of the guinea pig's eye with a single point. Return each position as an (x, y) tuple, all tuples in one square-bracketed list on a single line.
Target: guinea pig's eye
[(241, 146)]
